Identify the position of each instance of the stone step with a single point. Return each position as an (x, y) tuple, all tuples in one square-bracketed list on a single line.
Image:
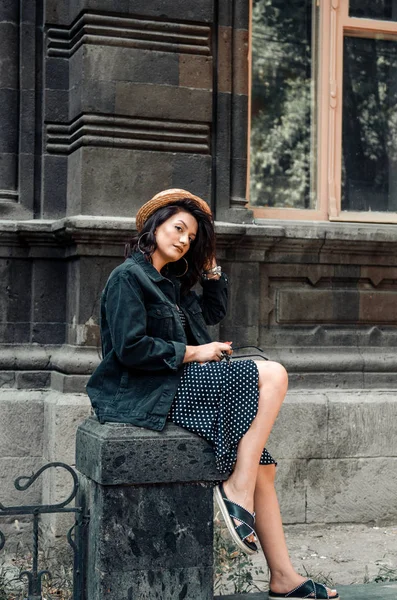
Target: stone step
[(386, 591), (322, 444)]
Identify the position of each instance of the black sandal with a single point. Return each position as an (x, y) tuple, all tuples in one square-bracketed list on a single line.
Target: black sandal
[(304, 590), (230, 510)]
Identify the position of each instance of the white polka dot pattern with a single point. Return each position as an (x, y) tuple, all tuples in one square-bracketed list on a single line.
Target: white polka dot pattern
[(219, 401)]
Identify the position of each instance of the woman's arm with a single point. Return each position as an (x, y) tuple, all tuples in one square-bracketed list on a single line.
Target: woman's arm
[(214, 298), (126, 319)]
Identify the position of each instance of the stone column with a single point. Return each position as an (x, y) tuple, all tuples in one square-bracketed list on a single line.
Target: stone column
[(150, 500)]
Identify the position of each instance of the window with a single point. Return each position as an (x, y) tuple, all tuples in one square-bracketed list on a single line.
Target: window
[(324, 109)]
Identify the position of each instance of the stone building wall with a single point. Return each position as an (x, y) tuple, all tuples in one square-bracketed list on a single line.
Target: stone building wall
[(106, 103)]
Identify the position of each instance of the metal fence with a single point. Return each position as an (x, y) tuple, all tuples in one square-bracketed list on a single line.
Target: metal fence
[(75, 535)]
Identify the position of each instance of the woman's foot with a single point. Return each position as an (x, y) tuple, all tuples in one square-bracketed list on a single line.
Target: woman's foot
[(241, 497), (285, 583)]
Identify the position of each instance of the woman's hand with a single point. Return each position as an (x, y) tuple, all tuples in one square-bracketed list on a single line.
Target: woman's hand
[(207, 352)]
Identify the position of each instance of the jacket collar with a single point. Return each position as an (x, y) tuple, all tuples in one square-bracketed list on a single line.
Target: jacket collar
[(149, 269)]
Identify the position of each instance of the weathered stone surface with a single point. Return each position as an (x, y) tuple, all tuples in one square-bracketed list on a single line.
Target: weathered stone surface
[(301, 428), (165, 101), (163, 526), (189, 584), (10, 469), (195, 71), (62, 415), (32, 380), (360, 490), (361, 424), (291, 489), (132, 455), (21, 424)]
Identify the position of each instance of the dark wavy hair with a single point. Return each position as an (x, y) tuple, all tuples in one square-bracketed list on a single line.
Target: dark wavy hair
[(201, 251)]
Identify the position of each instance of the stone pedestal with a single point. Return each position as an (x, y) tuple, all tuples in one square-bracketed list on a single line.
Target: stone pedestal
[(151, 511)]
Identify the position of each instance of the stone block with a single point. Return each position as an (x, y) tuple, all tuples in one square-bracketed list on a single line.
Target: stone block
[(312, 381), (9, 11), (32, 380), (63, 413), (129, 177), (55, 178), (193, 172), (195, 71), (188, 10), (14, 333), (91, 96), (15, 293), (26, 187), (7, 379), (301, 429), (291, 489), (27, 38), (56, 13), (9, 52), (133, 455), (225, 73), (353, 490), (48, 333), (56, 105), (21, 423), (68, 384), (10, 469), (49, 291), (8, 171), (189, 584), (9, 121), (111, 63), (163, 101), (57, 73), (183, 532), (28, 108), (362, 424)]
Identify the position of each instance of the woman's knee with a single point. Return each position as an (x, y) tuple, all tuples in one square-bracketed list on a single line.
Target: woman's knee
[(273, 374)]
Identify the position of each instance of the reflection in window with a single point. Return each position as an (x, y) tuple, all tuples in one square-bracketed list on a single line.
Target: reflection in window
[(369, 134), (283, 88), (385, 10)]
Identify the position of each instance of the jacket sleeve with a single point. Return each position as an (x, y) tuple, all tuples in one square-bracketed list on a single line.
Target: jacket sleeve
[(214, 298), (126, 317)]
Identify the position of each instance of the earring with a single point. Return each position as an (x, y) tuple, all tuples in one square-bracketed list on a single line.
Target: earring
[(186, 270), (139, 240)]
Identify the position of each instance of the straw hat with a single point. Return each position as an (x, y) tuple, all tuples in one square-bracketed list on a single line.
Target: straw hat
[(165, 198)]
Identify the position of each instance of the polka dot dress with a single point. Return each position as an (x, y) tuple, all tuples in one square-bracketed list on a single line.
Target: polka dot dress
[(219, 401)]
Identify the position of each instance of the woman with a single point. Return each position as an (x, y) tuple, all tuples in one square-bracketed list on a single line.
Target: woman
[(159, 363)]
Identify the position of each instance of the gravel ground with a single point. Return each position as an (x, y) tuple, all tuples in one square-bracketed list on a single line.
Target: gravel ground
[(345, 554)]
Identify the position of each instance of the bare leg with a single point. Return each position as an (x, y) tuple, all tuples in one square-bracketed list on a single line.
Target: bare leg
[(269, 528), (273, 382), (252, 484)]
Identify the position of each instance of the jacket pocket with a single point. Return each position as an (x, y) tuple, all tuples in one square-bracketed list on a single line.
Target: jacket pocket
[(159, 320)]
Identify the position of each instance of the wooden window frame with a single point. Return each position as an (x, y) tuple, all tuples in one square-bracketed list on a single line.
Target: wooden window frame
[(334, 24)]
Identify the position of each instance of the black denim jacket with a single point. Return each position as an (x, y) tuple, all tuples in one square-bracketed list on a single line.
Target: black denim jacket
[(144, 343)]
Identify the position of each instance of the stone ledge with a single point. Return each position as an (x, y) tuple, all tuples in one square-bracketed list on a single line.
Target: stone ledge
[(319, 242), (326, 361), (132, 455)]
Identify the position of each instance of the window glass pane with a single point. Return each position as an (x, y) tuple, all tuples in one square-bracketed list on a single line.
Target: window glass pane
[(374, 9), (283, 137), (369, 132)]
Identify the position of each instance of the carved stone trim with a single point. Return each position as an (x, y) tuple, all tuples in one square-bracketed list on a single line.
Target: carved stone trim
[(168, 36), (125, 132)]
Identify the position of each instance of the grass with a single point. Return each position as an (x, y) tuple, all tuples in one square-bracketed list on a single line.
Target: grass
[(59, 586)]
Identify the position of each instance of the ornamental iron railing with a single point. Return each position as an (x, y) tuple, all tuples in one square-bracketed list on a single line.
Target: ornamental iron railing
[(75, 535)]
